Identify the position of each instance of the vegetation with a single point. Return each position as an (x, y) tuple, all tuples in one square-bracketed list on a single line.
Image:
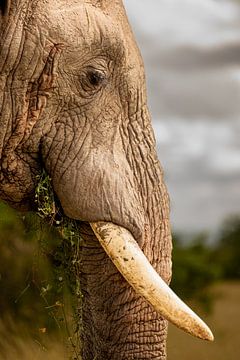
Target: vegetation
[(194, 271), (39, 270), (227, 251), (39, 267), (197, 265)]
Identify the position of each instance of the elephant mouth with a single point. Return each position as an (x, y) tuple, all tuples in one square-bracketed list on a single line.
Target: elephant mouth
[(129, 259)]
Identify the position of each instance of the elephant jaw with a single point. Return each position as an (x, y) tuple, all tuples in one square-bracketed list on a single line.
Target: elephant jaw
[(129, 259)]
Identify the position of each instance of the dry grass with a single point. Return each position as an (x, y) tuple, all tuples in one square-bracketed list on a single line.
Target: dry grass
[(16, 344), (29, 350), (225, 323)]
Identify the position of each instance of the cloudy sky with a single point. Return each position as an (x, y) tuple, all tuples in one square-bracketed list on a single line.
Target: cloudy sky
[(191, 50)]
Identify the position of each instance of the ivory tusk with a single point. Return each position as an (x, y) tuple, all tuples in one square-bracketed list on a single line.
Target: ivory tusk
[(129, 259)]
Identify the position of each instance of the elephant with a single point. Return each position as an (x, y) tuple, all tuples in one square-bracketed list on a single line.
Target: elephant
[(73, 102)]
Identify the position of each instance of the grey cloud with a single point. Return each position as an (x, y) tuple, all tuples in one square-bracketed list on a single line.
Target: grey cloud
[(202, 169), (186, 58), (191, 79), (201, 94), (191, 50)]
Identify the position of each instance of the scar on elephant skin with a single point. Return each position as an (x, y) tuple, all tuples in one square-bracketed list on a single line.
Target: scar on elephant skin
[(14, 170)]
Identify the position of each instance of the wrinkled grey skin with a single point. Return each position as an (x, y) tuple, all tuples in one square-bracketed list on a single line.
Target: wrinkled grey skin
[(73, 101)]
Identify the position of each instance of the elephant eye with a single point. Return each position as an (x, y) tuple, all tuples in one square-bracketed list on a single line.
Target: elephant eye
[(96, 78), (93, 80)]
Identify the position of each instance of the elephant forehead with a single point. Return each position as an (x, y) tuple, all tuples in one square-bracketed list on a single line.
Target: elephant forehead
[(83, 24), (81, 27), (91, 33), (80, 24)]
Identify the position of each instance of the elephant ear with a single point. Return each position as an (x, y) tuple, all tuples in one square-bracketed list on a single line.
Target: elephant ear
[(4, 7)]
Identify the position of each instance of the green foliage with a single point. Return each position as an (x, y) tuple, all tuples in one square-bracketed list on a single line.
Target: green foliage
[(194, 270), (65, 258), (197, 266), (44, 198), (22, 271), (39, 267), (227, 251)]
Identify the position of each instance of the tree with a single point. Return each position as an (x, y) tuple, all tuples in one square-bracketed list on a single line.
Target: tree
[(227, 251)]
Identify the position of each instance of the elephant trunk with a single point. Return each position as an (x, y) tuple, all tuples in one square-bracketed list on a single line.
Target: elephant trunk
[(117, 322)]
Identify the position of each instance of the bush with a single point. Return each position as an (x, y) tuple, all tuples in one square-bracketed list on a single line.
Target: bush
[(194, 270), (227, 251), (33, 291)]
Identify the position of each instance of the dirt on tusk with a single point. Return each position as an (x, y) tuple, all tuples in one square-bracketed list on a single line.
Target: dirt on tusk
[(129, 259)]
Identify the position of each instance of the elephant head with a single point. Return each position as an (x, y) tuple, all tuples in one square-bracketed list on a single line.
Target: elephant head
[(73, 102)]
